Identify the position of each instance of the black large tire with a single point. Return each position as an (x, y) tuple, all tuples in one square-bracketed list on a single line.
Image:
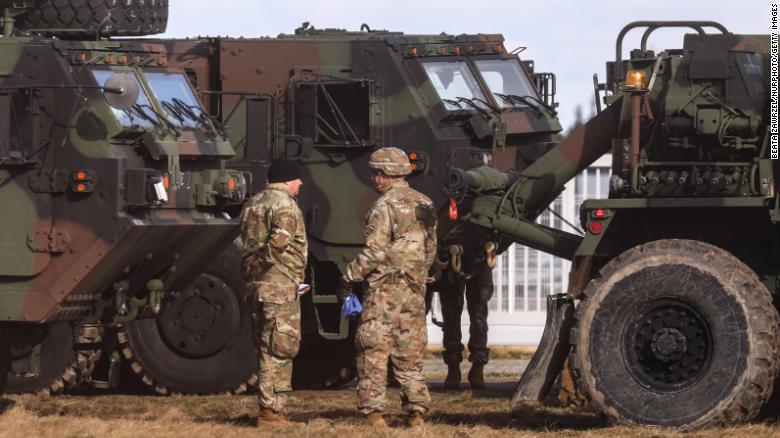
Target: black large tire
[(202, 340), (88, 17), (67, 356), (677, 333)]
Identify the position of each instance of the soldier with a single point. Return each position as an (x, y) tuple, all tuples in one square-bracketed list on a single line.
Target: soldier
[(400, 248), (477, 280), (275, 245)]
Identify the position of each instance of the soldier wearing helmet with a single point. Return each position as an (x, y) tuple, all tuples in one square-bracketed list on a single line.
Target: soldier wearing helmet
[(274, 237), (400, 249)]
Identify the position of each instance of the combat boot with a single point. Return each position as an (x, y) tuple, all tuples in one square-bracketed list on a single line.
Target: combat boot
[(269, 417), (416, 419), (453, 377), (376, 420), (476, 377)]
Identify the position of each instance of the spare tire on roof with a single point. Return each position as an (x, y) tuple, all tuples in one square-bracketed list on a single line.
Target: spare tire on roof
[(79, 18)]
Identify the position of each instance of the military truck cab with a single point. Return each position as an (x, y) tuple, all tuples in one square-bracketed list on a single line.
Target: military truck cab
[(116, 194)]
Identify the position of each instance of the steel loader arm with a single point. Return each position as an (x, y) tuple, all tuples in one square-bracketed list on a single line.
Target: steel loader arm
[(508, 203)]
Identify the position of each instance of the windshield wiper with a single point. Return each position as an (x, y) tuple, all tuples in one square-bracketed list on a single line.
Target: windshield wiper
[(536, 105), (505, 98), (203, 118), (137, 111), (453, 103), (471, 103), (159, 121), (172, 110)]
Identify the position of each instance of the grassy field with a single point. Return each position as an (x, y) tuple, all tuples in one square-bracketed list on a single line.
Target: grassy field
[(318, 413)]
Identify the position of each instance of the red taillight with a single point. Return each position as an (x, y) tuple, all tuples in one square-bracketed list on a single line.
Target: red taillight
[(599, 212), (453, 210), (596, 227)]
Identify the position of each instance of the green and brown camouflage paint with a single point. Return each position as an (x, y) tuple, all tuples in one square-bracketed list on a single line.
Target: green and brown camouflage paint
[(393, 103), (66, 250), (703, 172)]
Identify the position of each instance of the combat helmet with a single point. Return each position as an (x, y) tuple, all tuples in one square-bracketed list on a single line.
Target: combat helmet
[(391, 161)]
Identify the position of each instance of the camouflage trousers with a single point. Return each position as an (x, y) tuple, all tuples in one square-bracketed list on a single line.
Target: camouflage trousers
[(278, 327), (392, 326), (479, 290)]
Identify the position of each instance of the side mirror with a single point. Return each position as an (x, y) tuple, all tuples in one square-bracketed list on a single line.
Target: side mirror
[(121, 90)]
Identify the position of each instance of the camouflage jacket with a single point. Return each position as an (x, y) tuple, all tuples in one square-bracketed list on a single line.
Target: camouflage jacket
[(275, 247), (400, 240)]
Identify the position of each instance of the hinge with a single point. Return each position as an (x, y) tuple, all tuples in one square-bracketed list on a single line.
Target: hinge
[(50, 181), (49, 240)]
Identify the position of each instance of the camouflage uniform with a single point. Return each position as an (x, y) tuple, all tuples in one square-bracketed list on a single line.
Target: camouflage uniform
[(272, 228), (400, 248)]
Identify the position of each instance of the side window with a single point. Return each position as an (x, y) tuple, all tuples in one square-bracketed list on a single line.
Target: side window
[(332, 113)]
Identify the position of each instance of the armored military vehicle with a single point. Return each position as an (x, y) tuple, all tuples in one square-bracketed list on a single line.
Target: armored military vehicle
[(327, 98), (113, 182), (677, 271)]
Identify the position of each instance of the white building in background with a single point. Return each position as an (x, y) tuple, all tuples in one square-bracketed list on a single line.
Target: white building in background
[(523, 277)]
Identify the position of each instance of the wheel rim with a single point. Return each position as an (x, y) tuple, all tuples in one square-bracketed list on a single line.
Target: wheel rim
[(202, 319), (668, 345)]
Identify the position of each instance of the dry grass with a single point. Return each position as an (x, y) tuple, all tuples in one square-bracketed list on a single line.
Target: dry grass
[(320, 413)]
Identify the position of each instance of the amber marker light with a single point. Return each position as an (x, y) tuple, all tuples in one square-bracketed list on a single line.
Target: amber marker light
[(636, 79), (456, 50), (81, 187), (110, 58), (82, 57), (166, 181), (123, 59), (413, 156), (442, 50), (80, 175), (413, 51), (232, 184)]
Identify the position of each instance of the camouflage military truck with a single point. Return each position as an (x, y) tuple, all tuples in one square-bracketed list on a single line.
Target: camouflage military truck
[(113, 183), (328, 98), (677, 271)]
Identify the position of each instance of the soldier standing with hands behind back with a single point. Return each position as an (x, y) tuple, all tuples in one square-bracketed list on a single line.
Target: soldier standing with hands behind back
[(400, 249), (274, 236)]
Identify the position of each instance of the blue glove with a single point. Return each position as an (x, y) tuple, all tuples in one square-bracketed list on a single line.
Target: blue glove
[(351, 306)]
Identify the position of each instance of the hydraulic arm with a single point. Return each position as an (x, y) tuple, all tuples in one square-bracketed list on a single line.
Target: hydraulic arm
[(510, 202)]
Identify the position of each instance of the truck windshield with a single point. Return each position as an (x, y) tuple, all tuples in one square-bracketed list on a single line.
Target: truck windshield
[(456, 85), (176, 98), (141, 114), (507, 80)]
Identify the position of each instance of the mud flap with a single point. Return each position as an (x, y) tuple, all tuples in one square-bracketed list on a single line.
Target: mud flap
[(548, 360)]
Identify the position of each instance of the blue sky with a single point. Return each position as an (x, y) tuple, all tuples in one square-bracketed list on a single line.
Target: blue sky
[(572, 39)]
